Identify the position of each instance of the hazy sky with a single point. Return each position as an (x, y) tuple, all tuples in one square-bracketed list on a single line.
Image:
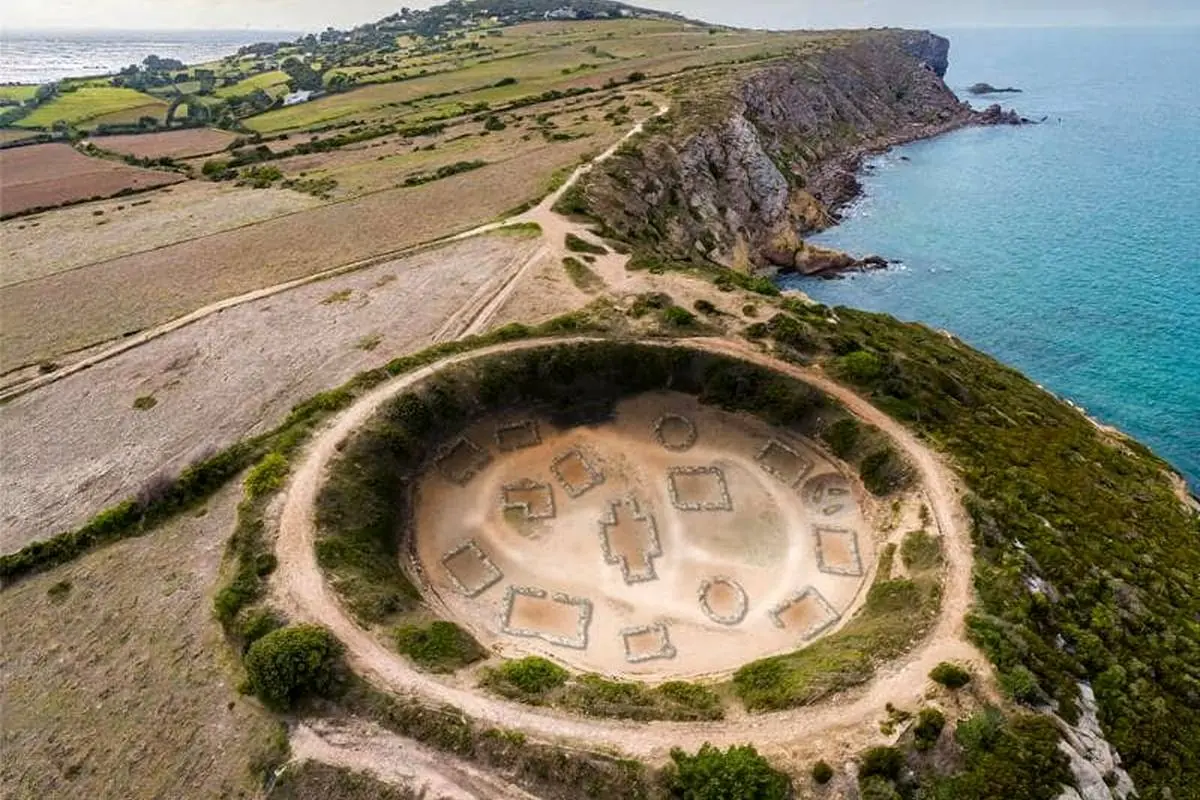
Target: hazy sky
[(316, 14)]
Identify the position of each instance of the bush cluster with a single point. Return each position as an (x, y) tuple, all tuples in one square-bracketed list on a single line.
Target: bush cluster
[(738, 773), (289, 664), (439, 646)]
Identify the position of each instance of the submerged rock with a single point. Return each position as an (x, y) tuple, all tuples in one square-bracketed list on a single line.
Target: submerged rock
[(987, 88)]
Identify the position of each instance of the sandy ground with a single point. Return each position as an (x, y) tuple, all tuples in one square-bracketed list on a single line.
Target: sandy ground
[(844, 723), (122, 686), (765, 542), (67, 238), (227, 376), (393, 759)]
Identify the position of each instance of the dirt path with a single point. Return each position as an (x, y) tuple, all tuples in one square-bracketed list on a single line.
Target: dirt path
[(394, 759), (843, 722), (554, 227)]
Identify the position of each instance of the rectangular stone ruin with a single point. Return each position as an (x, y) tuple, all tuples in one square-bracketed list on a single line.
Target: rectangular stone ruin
[(806, 612), (576, 473), (629, 540), (837, 552), (518, 435), (559, 619), (531, 499), (784, 463), (698, 489), (462, 460), (647, 643), (470, 570)]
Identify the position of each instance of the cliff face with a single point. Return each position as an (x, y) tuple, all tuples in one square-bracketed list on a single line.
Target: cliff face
[(740, 172)]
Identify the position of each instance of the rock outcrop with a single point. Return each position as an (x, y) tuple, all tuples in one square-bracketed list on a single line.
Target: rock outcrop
[(1095, 765), (987, 88), (740, 172)]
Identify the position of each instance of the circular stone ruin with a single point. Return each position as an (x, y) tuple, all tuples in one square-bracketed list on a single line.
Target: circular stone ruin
[(615, 526)]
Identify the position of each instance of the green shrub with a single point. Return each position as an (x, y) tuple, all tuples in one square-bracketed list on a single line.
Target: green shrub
[(493, 123), (884, 471), (822, 773), (843, 437), (952, 676), (59, 590), (1016, 759), (583, 277), (145, 402), (738, 773), (288, 664), (883, 762), (705, 307), (678, 317), (920, 550), (859, 366), (438, 647), (877, 788), (577, 244), (267, 476), (573, 202), (253, 624), (928, 729), (1021, 685), (528, 679)]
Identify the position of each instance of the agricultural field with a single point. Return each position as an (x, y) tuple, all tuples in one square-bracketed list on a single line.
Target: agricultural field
[(17, 93), (67, 311), (186, 143), (10, 135), (50, 175), (273, 82), (91, 104), (90, 233)]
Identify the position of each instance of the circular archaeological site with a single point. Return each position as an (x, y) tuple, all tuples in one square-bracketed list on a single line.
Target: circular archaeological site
[(636, 511)]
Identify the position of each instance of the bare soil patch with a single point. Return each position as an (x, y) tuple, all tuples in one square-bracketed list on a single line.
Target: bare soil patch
[(115, 677), (222, 378), (186, 143), (637, 570), (48, 175)]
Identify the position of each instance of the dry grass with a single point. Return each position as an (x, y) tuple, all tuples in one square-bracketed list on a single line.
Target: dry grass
[(225, 377), (60, 313), (74, 237), (116, 681), (48, 175), (186, 143)]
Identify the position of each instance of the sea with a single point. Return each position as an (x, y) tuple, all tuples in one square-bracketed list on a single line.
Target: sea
[(43, 56), (1069, 249)]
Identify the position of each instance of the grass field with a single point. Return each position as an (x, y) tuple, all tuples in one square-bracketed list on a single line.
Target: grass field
[(17, 93), (540, 56), (89, 103), (265, 80), (115, 675)]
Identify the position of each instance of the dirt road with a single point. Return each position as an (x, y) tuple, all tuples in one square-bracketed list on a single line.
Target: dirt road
[(844, 721), (394, 759)]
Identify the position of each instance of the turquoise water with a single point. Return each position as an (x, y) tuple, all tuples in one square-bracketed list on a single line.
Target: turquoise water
[(1070, 250)]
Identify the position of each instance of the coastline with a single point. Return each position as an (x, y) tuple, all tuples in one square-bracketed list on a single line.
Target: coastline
[(838, 184)]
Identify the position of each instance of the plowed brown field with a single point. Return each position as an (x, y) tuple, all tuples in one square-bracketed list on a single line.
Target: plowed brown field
[(48, 175)]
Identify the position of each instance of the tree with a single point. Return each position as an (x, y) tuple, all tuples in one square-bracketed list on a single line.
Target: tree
[(739, 773), (290, 663)]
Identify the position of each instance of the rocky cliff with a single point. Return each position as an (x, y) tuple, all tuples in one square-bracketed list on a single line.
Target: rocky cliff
[(742, 169)]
